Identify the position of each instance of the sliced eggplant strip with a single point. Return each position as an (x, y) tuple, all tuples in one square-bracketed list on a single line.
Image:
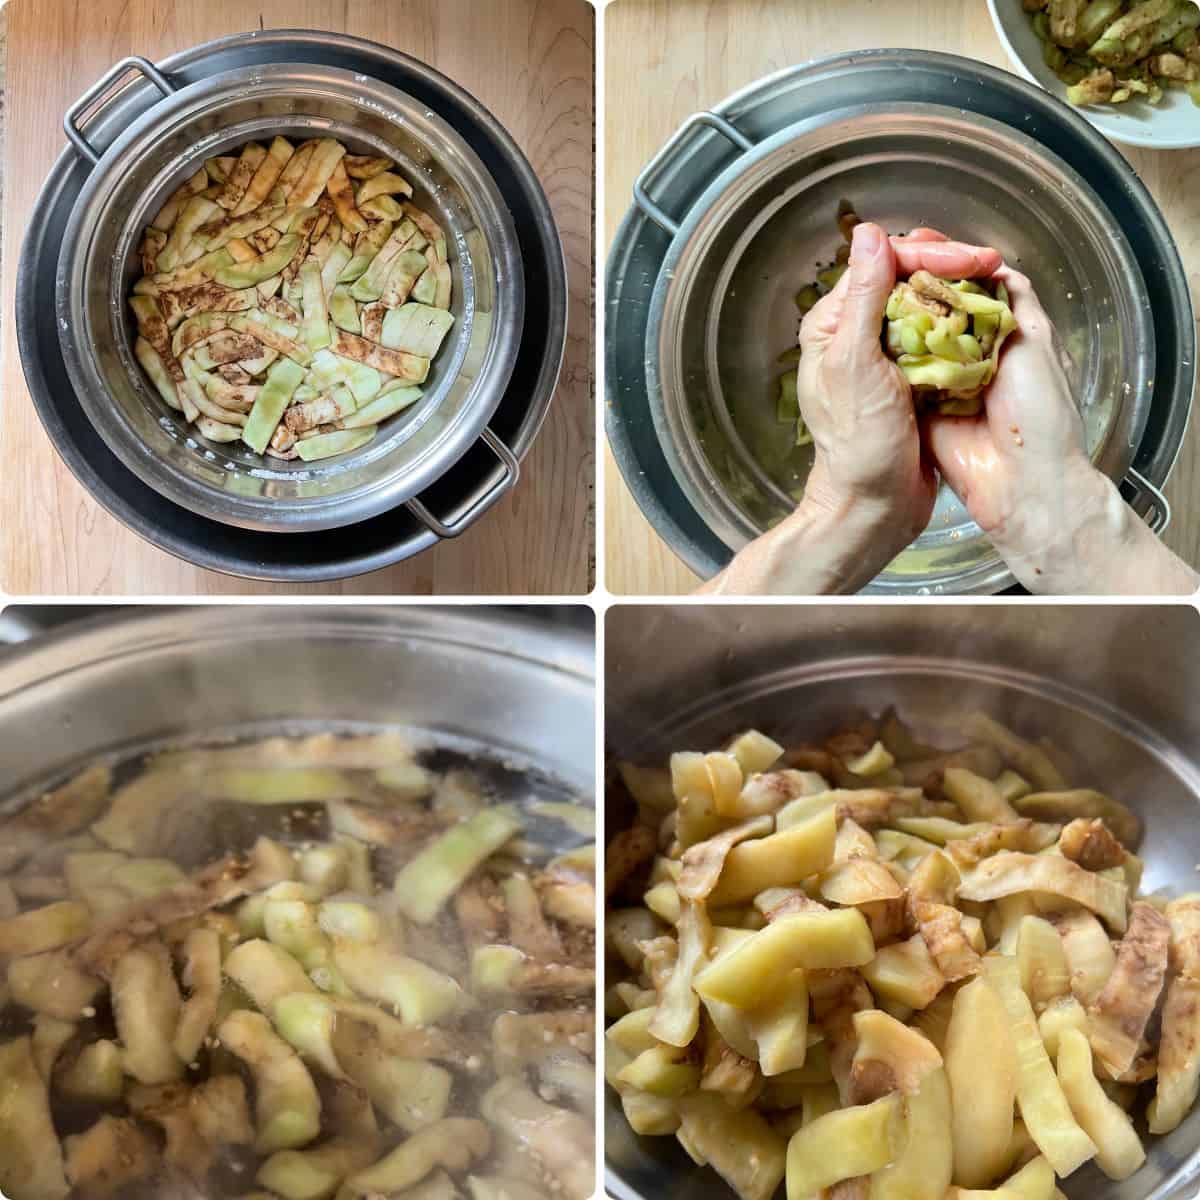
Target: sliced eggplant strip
[(250, 159), (390, 401), (416, 329), (164, 220), (430, 228), (386, 183), (329, 445), (411, 368), (326, 155), (287, 1106), (341, 192), (363, 166), (265, 176)]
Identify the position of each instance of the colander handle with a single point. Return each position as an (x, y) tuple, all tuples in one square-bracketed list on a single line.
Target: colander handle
[(641, 195), (1160, 507), (132, 63), (512, 472)]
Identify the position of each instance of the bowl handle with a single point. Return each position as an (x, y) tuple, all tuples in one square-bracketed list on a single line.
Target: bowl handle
[(641, 196), (1159, 505), (512, 472), (133, 63)]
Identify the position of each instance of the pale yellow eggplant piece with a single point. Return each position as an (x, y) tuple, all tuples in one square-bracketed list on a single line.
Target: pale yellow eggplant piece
[(979, 798), (981, 1067), (50, 1035), (661, 1070), (778, 1025), (166, 216), (146, 1006), (1119, 1151), (413, 1093), (96, 1076), (1043, 1107), (1090, 953), (755, 751), (738, 1144), (31, 1162), (105, 1160), (875, 761), (51, 983), (1178, 1056), (288, 1109), (326, 155), (1009, 873), (1045, 973), (814, 940), (42, 929), (418, 993), (265, 177), (266, 973), (889, 1056), (844, 1144), (1064, 1013), (905, 973), (1034, 1181), (427, 881), (1069, 805), (202, 975), (306, 1021), (454, 1143), (778, 860), (677, 1017), (1030, 760), (922, 1169)]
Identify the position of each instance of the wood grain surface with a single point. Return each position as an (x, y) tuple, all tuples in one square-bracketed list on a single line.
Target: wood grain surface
[(531, 63), (668, 58)]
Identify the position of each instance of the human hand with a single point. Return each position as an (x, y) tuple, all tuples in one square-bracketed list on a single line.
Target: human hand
[(1021, 468), (869, 493), (857, 403)]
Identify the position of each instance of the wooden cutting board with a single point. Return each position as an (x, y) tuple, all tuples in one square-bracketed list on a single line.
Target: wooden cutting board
[(530, 62), (690, 54)]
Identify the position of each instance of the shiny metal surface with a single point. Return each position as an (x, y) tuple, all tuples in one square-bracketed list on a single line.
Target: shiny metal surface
[(817, 95), (497, 678), (1114, 686), (99, 264), (723, 310), (369, 544)]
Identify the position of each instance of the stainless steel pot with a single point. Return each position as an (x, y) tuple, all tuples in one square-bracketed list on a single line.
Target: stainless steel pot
[(453, 499), (497, 680), (1114, 686), (731, 216), (99, 264)]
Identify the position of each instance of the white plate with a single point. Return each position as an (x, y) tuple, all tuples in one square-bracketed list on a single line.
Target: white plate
[(1174, 124)]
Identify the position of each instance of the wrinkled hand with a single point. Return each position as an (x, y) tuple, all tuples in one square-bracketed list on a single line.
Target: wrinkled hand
[(855, 400), (1024, 453), (1022, 470)]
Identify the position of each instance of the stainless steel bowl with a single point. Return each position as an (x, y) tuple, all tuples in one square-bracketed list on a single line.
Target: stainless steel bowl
[(1114, 686), (495, 679), (98, 265), (1051, 145), (723, 310)]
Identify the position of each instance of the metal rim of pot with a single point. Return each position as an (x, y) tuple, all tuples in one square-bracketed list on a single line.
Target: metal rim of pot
[(97, 266), (455, 500), (105, 684), (709, 142), (673, 355)]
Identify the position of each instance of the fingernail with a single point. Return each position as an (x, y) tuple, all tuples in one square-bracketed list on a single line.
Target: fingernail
[(867, 241)]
